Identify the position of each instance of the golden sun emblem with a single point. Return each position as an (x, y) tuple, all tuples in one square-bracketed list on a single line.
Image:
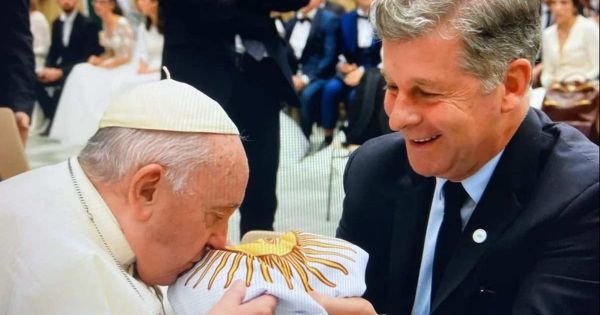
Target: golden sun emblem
[(290, 252)]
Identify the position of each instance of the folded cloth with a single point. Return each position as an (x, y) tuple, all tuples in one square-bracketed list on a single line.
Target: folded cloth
[(287, 267)]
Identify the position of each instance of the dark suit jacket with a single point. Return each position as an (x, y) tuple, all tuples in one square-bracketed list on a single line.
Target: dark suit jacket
[(199, 42), (17, 64), (83, 43), (320, 53), (540, 211), (348, 43)]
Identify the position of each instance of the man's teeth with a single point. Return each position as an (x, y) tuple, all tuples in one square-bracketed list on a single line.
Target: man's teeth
[(425, 139)]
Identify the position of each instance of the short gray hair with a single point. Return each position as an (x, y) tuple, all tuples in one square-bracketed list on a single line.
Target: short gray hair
[(493, 32), (115, 152)]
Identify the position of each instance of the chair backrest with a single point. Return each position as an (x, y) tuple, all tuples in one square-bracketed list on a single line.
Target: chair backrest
[(12, 154)]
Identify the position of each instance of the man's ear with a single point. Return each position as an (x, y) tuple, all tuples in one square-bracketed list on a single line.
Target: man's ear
[(516, 84), (144, 188)]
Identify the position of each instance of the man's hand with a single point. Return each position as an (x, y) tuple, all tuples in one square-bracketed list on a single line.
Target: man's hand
[(94, 60), (231, 302), (298, 83), (345, 68), (353, 78), (22, 125), (48, 75), (343, 306)]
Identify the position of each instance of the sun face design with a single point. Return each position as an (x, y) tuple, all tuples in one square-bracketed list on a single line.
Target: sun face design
[(288, 254)]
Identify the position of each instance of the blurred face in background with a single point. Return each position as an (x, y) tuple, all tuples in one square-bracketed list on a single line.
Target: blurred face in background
[(147, 7), (67, 5), (103, 7), (364, 4), (563, 10)]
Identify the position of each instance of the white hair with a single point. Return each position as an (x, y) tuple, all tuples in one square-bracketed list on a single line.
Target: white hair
[(114, 152), (493, 32)]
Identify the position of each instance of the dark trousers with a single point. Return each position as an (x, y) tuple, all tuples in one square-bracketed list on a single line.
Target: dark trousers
[(48, 102), (254, 108)]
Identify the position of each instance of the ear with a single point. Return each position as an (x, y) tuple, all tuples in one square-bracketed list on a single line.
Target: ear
[(144, 190), (516, 84)]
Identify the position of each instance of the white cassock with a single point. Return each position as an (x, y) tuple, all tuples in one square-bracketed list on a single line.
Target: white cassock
[(287, 267), (52, 257)]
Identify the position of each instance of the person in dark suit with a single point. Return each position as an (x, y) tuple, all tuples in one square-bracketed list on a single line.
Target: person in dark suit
[(479, 204), (232, 52), (360, 50), (74, 40), (311, 35), (17, 63)]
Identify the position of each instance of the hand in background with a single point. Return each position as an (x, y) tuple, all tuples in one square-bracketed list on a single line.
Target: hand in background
[(47, 75), (94, 60), (299, 84), (343, 306), (232, 302), (345, 68), (353, 78), (22, 125)]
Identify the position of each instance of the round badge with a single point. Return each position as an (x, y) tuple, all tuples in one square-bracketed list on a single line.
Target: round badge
[(479, 236)]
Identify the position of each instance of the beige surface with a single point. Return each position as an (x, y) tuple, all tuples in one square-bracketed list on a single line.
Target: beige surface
[(12, 156)]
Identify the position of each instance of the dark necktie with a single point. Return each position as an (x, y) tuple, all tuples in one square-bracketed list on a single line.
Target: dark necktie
[(450, 230), (304, 19), (365, 17)]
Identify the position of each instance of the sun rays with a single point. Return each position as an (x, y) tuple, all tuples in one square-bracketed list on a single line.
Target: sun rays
[(292, 254)]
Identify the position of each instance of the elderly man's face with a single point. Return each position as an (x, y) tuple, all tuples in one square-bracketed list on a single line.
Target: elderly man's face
[(449, 123), (190, 222)]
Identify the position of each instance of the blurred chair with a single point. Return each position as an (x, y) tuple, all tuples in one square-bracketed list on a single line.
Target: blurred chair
[(12, 153)]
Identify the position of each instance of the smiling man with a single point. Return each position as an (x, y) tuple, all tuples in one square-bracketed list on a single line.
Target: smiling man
[(478, 204), (151, 191)]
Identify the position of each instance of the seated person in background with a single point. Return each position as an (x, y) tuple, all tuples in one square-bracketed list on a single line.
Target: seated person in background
[(479, 204), (360, 51), (74, 40), (88, 91), (570, 46), (41, 35), (312, 43), (147, 196), (116, 36), (150, 40)]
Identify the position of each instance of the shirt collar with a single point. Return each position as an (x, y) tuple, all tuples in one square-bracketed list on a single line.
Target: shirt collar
[(475, 184), (68, 17), (103, 218), (360, 12)]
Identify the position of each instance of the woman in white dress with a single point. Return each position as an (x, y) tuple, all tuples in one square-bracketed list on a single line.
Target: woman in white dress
[(41, 35), (90, 86), (570, 46)]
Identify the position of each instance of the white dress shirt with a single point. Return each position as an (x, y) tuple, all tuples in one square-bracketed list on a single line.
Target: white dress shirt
[(300, 33), (41, 38), (67, 20), (474, 186), (578, 57), (365, 30)]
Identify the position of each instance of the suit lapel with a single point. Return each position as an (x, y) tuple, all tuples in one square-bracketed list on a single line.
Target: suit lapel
[(410, 221), (314, 28), (75, 29), (351, 32), (502, 201)]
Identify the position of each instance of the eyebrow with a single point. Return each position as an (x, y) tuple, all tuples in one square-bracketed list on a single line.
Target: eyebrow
[(418, 81)]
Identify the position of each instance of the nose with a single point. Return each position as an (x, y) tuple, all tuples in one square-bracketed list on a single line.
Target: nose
[(401, 111), (218, 238)]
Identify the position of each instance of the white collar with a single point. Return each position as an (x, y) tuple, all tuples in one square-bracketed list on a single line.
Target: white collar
[(475, 184), (68, 17), (310, 15), (103, 218)]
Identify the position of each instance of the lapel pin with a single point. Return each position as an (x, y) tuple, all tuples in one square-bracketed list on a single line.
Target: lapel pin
[(479, 236)]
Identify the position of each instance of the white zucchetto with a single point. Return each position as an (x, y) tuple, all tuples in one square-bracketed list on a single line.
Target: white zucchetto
[(167, 105)]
